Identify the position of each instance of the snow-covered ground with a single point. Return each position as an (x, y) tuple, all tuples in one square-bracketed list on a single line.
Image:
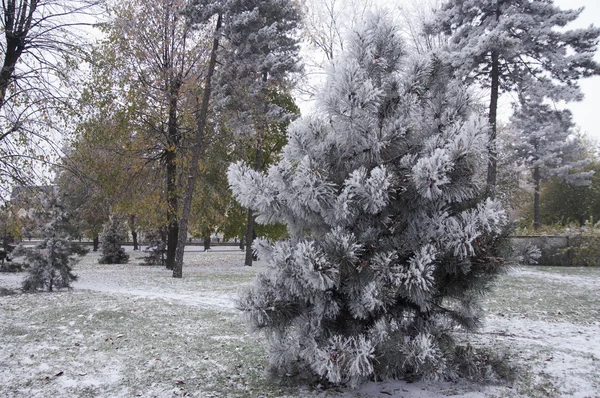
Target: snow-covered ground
[(131, 330)]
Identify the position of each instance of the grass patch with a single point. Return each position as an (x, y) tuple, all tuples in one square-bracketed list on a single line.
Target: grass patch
[(537, 296), (127, 331), (85, 343)]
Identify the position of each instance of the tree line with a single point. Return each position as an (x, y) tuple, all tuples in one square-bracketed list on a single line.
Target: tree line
[(170, 93)]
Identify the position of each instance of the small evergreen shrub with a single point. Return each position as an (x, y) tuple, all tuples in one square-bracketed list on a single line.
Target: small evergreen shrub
[(11, 266), (524, 252), (50, 266), (155, 249), (112, 236), (50, 262), (6, 292), (6, 261)]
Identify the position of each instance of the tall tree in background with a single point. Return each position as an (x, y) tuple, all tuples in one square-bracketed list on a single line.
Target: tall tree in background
[(84, 200), (41, 41), (256, 49), (562, 203), (97, 172), (107, 168), (200, 14), (261, 52), (497, 43), (548, 145), (159, 61), (262, 148), (391, 240)]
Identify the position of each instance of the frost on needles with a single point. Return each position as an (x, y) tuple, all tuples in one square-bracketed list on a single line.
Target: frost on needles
[(391, 241)]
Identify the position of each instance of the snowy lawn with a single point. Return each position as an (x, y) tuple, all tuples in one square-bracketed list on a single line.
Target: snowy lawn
[(130, 330)]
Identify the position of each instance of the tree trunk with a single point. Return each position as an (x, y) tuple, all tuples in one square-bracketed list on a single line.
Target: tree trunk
[(200, 132), (171, 169), (17, 22), (249, 238), (96, 243), (492, 165), (495, 91), (172, 239), (134, 234), (250, 234), (172, 208), (536, 198), (206, 240)]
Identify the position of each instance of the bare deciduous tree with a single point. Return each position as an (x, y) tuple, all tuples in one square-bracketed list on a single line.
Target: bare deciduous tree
[(42, 41)]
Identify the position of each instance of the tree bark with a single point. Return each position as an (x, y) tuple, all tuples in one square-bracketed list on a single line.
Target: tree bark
[(206, 241), (199, 137), (495, 91), (172, 207), (134, 234), (171, 169), (536, 198), (250, 234), (17, 22), (249, 238), (96, 243), (492, 165), (172, 239)]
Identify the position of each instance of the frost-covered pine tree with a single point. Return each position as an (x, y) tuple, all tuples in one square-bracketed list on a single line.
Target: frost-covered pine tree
[(111, 237), (391, 242), (547, 144), (250, 43), (497, 43), (259, 53), (51, 261)]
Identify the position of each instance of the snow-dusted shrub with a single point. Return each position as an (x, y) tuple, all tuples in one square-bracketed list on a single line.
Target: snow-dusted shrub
[(155, 249), (50, 262), (525, 253), (585, 250), (10, 266), (6, 292), (111, 237), (391, 239)]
